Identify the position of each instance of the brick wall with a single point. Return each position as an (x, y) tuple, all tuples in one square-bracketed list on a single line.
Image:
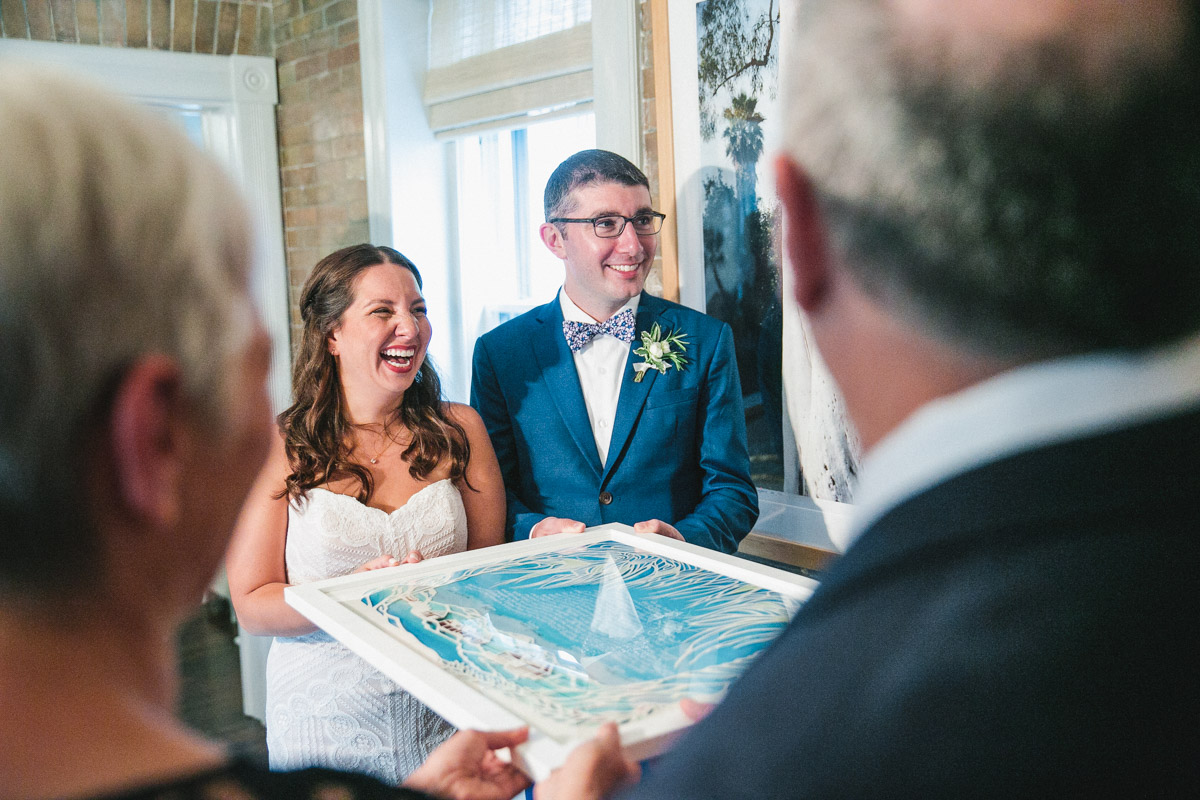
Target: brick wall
[(649, 129), (645, 45), (321, 150), (222, 27)]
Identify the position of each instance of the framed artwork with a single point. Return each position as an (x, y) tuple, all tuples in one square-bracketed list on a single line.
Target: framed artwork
[(719, 123), (562, 633), (722, 85)]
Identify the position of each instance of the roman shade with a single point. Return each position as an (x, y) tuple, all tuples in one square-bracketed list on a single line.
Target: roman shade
[(493, 63)]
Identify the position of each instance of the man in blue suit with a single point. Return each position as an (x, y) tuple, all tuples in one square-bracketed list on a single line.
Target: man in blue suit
[(991, 222), (608, 404)]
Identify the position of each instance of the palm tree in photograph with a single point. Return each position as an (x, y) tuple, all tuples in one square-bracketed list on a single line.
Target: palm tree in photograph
[(744, 145)]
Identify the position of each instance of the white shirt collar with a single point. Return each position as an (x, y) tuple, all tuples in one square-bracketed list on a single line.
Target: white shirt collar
[(577, 314), (1018, 410)]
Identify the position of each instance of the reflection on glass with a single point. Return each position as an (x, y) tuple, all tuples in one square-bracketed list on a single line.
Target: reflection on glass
[(597, 632), (737, 42)]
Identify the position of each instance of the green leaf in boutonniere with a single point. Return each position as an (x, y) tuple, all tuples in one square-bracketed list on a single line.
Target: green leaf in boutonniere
[(660, 353)]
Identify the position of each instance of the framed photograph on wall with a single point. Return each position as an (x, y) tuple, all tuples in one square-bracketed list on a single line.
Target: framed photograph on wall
[(724, 123), (718, 92), (562, 633)]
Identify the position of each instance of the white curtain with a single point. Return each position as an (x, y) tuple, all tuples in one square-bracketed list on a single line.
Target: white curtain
[(495, 61)]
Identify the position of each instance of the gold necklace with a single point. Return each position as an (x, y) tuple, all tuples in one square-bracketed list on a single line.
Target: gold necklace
[(390, 441)]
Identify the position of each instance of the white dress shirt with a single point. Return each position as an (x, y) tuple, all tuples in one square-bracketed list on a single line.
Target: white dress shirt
[(600, 365), (1019, 410)]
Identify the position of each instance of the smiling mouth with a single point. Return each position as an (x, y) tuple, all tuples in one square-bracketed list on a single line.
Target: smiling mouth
[(397, 358), (625, 268)]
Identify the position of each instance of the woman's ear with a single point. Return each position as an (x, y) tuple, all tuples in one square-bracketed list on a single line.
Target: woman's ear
[(148, 440), (805, 247)]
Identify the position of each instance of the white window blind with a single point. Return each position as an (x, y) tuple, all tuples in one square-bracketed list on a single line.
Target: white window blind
[(493, 62)]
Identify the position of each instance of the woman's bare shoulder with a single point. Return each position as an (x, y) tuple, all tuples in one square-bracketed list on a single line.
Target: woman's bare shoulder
[(277, 467), (464, 415)]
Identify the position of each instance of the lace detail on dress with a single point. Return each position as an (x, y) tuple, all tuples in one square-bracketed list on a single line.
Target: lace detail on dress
[(325, 705), (333, 534)]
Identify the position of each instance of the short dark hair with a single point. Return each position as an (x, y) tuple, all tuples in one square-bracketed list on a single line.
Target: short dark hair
[(584, 168), (1039, 202)]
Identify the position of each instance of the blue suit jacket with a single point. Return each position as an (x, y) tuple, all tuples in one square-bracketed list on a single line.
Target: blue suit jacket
[(1023, 630), (678, 449)]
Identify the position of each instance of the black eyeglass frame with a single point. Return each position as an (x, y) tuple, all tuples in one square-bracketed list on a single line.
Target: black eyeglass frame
[(624, 221)]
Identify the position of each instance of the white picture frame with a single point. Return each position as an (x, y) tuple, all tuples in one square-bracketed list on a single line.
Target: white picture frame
[(505, 667)]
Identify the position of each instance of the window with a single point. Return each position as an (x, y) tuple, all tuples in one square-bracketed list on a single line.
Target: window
[(501, 175), (494, 61), (226, 105), (188, 117)]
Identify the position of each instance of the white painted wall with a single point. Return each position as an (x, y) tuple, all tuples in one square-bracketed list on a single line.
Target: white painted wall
[(616, 77), (408, 178)]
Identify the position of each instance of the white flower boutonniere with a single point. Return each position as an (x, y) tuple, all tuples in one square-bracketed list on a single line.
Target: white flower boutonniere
[(660, 353)]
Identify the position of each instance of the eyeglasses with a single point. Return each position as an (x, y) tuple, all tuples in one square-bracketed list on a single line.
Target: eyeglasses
[(610, 226)]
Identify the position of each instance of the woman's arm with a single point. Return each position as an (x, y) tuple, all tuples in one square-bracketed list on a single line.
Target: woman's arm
[(485, 505), (255, 561)]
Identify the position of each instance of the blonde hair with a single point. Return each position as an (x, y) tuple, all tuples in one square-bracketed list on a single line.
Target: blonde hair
[(118, 238)]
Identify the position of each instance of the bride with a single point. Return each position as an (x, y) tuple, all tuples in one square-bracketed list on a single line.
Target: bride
[(371, 468)]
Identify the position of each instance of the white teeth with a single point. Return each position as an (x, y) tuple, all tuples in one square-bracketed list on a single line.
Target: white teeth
[(624, 267), (395, 352)]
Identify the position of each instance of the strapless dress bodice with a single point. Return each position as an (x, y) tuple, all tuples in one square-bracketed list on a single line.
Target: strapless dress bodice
[(331, 534)]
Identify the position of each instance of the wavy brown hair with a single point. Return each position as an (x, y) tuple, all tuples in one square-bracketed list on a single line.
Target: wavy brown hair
[(315, 429)]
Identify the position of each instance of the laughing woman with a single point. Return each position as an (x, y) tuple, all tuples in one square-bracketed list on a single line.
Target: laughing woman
[(371, 468)]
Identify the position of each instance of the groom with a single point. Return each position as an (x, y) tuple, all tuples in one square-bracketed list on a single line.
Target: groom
[(594, 417)]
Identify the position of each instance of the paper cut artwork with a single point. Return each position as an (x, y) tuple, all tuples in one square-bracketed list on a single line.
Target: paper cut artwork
[(585, 630)]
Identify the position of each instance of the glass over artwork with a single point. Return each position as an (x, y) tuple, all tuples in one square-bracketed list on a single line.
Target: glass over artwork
[(562, 633), (737, 50), (603, 631)]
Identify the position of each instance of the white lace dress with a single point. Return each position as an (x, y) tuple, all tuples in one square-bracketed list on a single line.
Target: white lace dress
[(325, 705)]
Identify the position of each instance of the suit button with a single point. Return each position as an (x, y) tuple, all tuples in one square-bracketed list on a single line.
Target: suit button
[(605, 498)]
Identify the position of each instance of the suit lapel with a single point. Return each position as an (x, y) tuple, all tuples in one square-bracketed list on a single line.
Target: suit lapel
[(633, 395), (558, 371)]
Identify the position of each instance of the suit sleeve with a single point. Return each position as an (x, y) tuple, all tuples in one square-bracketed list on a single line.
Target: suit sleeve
[(728, 506), (489, 401)]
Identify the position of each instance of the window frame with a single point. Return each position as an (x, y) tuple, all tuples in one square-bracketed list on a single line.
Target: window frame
[(237, 96), (408, 168)]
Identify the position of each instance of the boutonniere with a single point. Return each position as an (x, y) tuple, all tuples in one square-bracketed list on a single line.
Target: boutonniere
[(660, 353)]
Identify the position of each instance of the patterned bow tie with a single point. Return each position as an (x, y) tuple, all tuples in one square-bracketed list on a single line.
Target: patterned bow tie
[(619, 325)]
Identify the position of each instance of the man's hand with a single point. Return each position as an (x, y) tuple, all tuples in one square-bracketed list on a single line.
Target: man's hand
[(593, 770), (694, 709), (466, 767), (554, 525), (659, 527)]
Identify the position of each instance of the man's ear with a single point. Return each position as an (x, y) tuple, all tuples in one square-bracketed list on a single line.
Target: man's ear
[(805, 246), (552, 237), (147, 440)]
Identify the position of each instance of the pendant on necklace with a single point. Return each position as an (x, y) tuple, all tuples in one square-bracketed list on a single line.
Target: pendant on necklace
[(374, 460)]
